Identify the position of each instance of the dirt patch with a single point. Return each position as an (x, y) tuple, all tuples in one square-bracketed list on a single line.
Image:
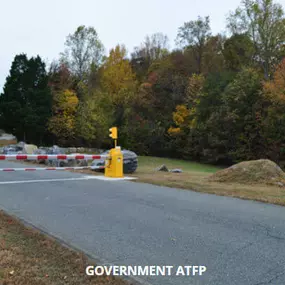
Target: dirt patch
[(261, 171)]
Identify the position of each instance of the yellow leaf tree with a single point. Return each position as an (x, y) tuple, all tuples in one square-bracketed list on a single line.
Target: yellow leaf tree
[(62, 123), (180, 119), (185, 116), (118, 81), (117, 73)]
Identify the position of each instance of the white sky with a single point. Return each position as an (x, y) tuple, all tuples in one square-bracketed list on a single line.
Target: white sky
[(38, 27)]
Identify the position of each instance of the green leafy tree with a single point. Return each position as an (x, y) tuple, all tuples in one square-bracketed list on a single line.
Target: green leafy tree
[(94, 118), (263, 21), (143, 128), (194, 35), (25, 105), (239, 52), (83, 51), (240, 117), (213, 57), (153, 48)]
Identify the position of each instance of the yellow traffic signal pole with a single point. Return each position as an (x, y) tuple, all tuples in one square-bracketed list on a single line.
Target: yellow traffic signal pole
[(114, 168)]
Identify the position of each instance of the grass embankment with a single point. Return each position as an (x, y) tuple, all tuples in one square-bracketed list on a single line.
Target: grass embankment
[(195, 177), (28, 257)]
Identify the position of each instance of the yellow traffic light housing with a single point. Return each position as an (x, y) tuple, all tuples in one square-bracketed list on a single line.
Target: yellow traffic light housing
[(113, 133)]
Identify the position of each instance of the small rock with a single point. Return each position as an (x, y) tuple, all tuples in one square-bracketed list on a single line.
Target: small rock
[(176, 170), (280, 184), (162, 168)]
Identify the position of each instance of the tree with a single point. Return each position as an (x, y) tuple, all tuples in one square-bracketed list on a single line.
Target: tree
[(93, 119), (238, 51), (118, 81), (275, 88), (25, 105), (213, 57), (222, 119), (153, 48), (83, 50), (185, 119), (274, 121), (144, 126), (194, 35), (263, 21), (62, 123), (60, 77), (240, 117)]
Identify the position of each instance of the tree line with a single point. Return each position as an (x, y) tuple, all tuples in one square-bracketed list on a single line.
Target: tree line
[(215, 98)]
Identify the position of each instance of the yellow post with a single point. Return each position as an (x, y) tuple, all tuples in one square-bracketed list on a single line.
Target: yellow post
[(114, 165)]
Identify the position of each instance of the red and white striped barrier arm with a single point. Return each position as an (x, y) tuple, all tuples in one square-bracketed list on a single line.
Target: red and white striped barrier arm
[(51, 168), (51, 157)]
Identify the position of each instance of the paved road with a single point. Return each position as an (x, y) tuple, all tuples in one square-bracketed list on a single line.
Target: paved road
[(126, 223)]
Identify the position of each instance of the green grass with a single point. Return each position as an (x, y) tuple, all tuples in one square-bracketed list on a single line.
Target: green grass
[(149, 163), (195, 177)]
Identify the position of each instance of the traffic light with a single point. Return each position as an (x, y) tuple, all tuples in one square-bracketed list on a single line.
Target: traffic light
[(113, 133)]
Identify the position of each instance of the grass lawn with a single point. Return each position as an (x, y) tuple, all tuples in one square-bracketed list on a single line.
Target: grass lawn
[(147, 164), (28, 257), (195, 177)]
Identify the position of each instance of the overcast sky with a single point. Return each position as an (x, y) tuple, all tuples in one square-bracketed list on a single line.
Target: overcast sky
[(39, 27)]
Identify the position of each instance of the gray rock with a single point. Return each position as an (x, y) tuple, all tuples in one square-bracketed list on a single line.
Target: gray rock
[(176, 170), (162, 168), (71, 149)]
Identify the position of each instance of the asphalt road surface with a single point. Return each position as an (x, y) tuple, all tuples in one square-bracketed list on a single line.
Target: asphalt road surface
[(127, 223)]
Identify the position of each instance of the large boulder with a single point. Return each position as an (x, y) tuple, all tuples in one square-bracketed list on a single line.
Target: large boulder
[(56, 163), (29, 148), (130, 162), (79, 162), (261, 171)]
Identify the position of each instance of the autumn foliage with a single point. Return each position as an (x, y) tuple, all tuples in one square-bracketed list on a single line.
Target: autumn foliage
[(213, 98)]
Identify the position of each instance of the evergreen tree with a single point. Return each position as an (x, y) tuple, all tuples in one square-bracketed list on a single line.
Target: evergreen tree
[(25, 104)]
